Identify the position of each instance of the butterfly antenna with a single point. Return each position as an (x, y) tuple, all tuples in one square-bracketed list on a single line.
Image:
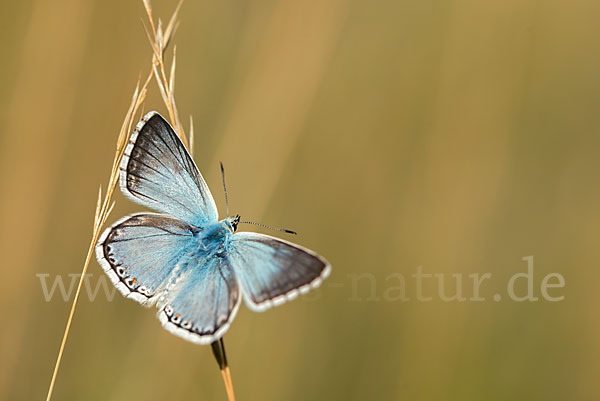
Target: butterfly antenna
[(224, 188), (269, 227)]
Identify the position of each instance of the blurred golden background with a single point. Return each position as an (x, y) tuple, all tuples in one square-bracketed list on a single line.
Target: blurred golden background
[(460, 136)]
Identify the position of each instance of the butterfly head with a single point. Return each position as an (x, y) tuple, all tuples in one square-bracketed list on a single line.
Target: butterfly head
[(233, 222)]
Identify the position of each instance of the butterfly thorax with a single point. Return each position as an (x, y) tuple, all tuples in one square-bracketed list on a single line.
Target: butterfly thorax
[(214, 237)]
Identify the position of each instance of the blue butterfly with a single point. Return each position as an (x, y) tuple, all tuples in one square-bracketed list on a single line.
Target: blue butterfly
[(192, 265)]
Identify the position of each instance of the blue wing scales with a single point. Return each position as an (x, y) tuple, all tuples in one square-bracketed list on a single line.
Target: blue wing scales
[(204, 302)]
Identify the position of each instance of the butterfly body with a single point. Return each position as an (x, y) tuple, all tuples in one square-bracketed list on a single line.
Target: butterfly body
[(214, 238), (193, 266)]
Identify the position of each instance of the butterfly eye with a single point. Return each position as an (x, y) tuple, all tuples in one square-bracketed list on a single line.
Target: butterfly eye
[(177, 318), (186, 324), (121, 271), (131, 282), (169, 311)]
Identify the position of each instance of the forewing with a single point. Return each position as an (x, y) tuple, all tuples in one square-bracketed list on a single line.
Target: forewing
[(158, 172), (272, 271), (141, 253), (203, 303)]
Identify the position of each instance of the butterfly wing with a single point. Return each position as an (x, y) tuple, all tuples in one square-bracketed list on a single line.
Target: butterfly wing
[(271, 270), (158, 172), (204, 302), (141, 253)]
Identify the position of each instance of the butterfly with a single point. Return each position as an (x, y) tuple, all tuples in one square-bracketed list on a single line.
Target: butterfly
[(194, 267)]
